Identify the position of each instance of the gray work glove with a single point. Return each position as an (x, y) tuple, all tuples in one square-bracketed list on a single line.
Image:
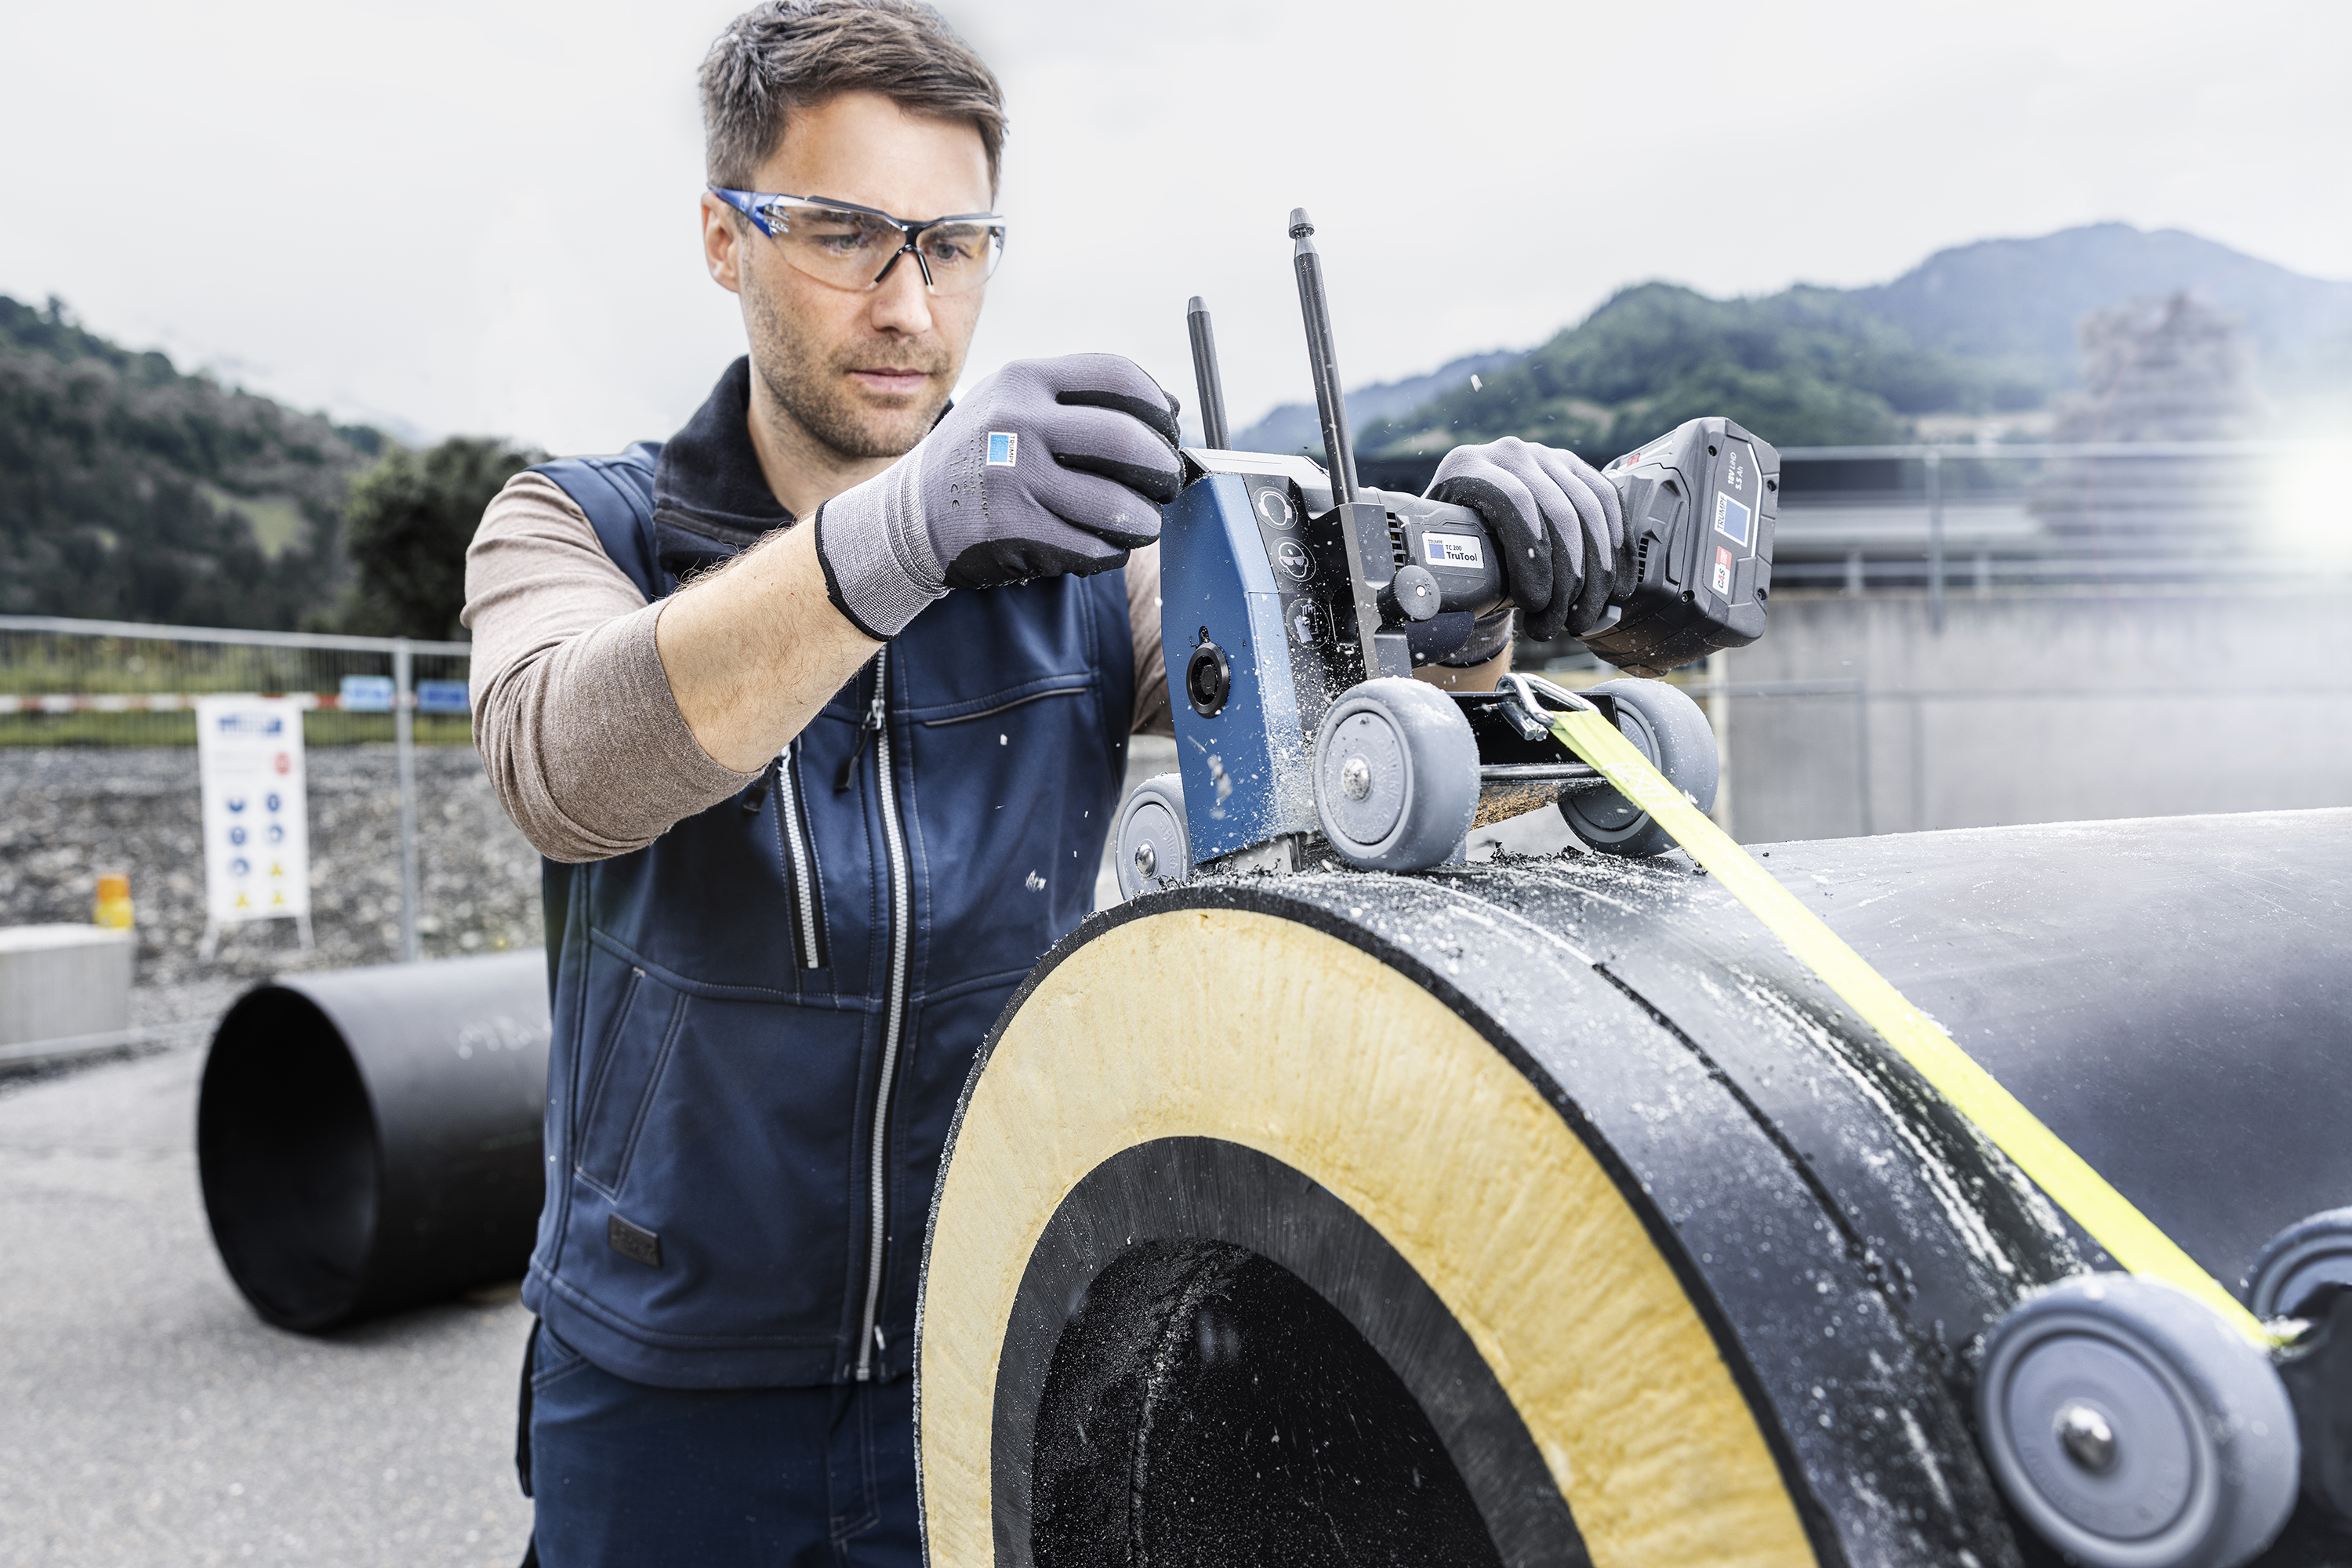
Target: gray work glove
[(1049, 466), (1557, 523)]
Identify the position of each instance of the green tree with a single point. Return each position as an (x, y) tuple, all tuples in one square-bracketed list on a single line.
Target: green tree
[(130, 491), (406, 527)]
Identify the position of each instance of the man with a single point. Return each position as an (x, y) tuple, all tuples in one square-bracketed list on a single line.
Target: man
[(815, 794)]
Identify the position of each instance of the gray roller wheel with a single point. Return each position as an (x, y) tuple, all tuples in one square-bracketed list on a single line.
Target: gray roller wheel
[(2132, 1428), (1669, 729), (1396, 776), (1152, 847), (2298, 1260)]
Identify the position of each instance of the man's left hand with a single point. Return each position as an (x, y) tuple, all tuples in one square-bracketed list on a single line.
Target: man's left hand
[(1557, 525)]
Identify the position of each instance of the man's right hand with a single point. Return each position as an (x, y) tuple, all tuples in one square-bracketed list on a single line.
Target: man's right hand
[(1049, 466), (1558, 522)]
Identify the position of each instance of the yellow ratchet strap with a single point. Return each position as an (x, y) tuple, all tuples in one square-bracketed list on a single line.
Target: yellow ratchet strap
[(2129, 1236)]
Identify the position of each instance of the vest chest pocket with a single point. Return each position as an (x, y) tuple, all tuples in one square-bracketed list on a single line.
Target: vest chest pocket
[(637, 1044), (1004, 702)]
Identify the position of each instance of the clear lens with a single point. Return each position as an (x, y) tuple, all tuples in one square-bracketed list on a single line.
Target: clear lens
[(846, 249), (850, 249), (961, 256)]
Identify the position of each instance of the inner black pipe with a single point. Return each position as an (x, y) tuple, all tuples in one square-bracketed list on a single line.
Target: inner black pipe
[(369, 1139), (1200, 1383)]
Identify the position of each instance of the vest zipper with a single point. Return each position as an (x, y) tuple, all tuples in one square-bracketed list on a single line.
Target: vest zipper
[(894, 1017), (800, 863)]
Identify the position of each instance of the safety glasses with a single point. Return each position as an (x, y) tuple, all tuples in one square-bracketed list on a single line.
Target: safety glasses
[(851, 246)]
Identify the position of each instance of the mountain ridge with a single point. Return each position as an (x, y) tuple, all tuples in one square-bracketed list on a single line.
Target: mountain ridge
[(2025, 298), (1986, 328)]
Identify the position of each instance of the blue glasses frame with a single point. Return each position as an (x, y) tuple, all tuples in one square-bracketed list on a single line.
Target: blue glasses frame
[(751, 205)]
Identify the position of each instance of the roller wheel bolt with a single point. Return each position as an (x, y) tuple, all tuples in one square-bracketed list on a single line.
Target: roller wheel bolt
[(1356, 777), (1144, 861), (2087, 1438)]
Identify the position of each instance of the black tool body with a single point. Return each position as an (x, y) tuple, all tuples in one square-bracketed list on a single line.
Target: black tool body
[(1449, 542)]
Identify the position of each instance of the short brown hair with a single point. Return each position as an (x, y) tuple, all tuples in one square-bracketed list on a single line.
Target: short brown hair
[(787, 54)]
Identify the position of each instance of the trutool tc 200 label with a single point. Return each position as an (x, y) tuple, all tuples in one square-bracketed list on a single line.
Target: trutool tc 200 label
[(1452, 550)]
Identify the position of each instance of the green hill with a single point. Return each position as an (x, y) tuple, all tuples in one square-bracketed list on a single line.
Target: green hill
[(130, 491), (1806, 366)]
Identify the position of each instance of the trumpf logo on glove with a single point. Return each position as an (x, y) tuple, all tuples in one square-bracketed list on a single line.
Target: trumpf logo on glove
[(1001, 446)]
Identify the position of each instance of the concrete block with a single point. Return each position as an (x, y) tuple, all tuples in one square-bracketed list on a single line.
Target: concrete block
[(61, 981)]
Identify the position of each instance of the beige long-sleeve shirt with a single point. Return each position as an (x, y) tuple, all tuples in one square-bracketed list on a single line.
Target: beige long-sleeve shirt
[(573, 712)]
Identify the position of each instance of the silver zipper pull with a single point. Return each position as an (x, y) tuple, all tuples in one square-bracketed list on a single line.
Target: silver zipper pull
[(870, 725)]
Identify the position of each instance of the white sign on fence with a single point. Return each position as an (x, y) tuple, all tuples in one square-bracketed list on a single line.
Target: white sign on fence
[(257, 821)]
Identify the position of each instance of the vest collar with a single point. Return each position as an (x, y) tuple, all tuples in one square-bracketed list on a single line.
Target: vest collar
[(710, 500), (711, 503)]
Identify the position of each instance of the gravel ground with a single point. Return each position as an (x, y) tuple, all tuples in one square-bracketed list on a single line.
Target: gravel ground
[(72, 811), (150, 1417)]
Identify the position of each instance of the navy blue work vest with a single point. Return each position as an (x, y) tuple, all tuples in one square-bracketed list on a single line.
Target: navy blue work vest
[(724, 998)]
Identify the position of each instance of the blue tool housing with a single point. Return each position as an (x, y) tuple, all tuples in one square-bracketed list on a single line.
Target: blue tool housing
[(1245, 764)]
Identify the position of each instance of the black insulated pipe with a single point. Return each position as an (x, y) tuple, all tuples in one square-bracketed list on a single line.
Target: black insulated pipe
[(369, 1139), (1212, 387), (1261, 1236)]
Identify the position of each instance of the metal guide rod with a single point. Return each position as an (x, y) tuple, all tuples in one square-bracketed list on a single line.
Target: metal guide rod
[(1323, 359), (1210, 387)]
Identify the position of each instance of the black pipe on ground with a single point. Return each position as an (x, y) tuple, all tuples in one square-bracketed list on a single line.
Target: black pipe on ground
[(369, 1139)]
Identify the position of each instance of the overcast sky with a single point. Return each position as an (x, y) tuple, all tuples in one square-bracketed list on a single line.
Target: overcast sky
[(480, 217)]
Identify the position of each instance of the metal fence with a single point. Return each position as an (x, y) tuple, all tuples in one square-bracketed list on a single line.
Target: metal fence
[(1988, 514), (97, 751)]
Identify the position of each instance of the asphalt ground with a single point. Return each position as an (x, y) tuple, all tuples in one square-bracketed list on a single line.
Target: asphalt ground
[(147, 1417)]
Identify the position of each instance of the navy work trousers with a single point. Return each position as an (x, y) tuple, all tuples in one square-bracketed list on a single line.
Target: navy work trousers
[(624, 1476)]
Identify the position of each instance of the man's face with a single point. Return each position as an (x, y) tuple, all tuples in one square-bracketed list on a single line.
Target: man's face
[(864, 373)]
